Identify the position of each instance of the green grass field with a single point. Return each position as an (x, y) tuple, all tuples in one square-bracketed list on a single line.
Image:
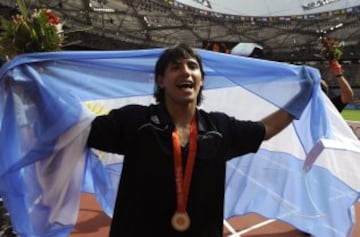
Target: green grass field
[(352, 115)]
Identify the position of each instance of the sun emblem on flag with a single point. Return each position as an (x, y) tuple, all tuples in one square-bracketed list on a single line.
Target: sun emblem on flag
[(97, 108)]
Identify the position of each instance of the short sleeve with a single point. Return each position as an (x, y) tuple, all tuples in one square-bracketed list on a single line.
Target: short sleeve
[(239, 137), (115, 132)]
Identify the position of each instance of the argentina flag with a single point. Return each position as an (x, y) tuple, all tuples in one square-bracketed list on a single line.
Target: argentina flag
[(306, 176)]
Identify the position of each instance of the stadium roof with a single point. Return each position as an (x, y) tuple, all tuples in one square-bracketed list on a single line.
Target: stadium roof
[(271, 7), (284, 28)]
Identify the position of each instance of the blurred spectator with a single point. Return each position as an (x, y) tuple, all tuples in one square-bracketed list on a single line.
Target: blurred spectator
[(346, 93)]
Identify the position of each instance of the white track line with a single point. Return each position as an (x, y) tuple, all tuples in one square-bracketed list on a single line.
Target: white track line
[(244, 231), (231, 229)]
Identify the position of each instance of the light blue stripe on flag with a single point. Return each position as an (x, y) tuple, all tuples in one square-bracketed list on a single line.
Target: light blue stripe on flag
[(44, 123)]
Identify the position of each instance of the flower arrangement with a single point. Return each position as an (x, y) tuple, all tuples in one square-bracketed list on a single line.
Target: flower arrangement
[(330, 48), (39, 31)]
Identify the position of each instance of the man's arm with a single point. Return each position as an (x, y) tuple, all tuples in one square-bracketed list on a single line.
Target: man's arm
[(346, 91), (276, 122)]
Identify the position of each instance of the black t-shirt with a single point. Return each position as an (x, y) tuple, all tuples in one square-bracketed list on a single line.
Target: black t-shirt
[(146, 197), (340, 106)]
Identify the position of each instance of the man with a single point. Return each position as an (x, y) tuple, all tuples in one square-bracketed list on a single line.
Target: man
[(156, 195), (346, 93)]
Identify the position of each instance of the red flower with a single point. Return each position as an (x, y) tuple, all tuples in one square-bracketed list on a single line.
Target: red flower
[(52, 18)]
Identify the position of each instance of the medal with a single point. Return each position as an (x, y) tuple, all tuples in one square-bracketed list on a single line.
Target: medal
[(181, 220)]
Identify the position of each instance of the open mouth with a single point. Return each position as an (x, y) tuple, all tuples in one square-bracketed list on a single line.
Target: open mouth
[(186, 85)]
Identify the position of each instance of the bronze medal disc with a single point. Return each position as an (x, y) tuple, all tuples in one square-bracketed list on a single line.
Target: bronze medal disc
[(180, 221)]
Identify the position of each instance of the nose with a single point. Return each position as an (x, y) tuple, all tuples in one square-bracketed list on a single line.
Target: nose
[(185, 69)]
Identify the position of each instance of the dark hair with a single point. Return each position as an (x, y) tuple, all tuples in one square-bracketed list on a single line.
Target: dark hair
[(172, 55)]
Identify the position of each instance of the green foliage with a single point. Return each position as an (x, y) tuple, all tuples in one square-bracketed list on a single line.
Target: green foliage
[(334, 53), (23, 33), (6, 37), (331, 48)]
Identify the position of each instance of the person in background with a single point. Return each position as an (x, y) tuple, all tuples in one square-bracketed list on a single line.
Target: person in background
[(156, 195), (346, 93), (341, 100)]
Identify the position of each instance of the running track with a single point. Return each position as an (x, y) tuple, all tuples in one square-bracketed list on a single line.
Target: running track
[(92, 222)]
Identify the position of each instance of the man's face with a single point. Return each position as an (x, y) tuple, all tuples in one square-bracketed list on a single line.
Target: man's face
[(181, 81)]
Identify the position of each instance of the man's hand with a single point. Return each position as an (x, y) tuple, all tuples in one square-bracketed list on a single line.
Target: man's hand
[(347, 93), (335, 67)]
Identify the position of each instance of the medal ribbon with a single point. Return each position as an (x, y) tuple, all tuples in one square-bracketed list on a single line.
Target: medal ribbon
[(183, 180)]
